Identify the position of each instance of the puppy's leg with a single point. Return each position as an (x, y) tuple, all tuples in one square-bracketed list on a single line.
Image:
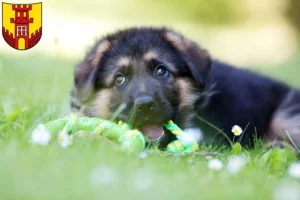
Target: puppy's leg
[(285, 125)]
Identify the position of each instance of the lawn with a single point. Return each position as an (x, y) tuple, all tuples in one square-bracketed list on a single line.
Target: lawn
[(34, 89)]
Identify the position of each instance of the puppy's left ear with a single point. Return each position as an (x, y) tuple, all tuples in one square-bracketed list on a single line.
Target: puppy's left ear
[(197, 59), (85, 74)]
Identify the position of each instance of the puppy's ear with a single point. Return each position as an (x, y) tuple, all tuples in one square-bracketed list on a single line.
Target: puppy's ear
[(85, 72), (197, 60)]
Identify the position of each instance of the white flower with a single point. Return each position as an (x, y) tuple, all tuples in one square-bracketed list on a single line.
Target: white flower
[(40, 135), (141, 180), (143, 154), (104, 175), (236, 163), (190, 136), (215, 164), (287, 191), (236, 130), (294, 170), (64, 139)]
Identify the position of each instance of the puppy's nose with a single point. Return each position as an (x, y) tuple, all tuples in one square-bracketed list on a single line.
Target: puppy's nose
[(144, 104)]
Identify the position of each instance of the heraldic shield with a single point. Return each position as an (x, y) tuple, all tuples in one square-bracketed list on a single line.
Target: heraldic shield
[(22, 24)]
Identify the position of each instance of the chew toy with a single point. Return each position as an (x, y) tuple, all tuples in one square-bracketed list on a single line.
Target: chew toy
[(181, 145), (122, 133), (131, 140)]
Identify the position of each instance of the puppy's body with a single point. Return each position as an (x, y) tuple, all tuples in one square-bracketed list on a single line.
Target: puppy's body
[(247, 99), (155, 74)]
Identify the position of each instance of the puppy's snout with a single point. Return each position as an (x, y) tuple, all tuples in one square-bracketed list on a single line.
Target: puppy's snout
[(144, 104)]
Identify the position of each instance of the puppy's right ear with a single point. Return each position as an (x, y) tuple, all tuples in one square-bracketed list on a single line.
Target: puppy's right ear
[(197, 59), (85, 72)]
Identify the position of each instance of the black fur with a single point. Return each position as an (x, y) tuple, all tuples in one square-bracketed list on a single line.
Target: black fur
[(241, 97), (226, 95)]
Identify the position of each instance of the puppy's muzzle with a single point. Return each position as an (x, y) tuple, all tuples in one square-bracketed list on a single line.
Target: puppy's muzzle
[(145, 108), (144, 105)]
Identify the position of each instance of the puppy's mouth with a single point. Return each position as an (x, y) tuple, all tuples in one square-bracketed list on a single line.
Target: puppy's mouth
[(152, 132)]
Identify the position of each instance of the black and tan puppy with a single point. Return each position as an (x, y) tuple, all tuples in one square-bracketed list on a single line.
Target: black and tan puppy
[(145, 76)]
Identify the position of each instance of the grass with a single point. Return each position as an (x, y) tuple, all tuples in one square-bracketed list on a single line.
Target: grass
[(34, 89)]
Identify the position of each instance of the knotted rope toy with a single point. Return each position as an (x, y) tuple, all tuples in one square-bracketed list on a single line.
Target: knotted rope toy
[(122, 133), (181, 145)]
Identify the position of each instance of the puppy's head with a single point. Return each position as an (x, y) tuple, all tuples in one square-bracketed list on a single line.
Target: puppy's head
[(143, 76)]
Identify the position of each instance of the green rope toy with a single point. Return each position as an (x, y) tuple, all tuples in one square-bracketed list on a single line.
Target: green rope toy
[(130, 139), (180, 145)]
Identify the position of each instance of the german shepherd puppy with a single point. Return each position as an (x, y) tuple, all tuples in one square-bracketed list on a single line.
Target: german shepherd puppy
[(148, 75)]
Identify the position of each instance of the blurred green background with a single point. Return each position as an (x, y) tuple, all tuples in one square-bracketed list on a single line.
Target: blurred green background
[(248, 33)]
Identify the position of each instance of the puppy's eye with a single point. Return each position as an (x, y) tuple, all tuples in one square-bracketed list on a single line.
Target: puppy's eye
[(161, 71), (120, 79)]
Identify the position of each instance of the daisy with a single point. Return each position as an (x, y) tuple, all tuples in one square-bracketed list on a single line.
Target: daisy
[(236, 163), (237, 130), (64, 139), (104, 175), (143, 154), (294, 170), (286, 190), (41, 135), (190, 136), (215, 164), (142, 180)]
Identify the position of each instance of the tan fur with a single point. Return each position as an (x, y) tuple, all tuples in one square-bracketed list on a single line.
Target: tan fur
[(84, 74), (183, 45), (178, 41), (186, 99), (100, 105), (186, 95), (153, 55), (285, 125), (101, 49), (123, 61), (150, 55), (197, 59), (83, 69)]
